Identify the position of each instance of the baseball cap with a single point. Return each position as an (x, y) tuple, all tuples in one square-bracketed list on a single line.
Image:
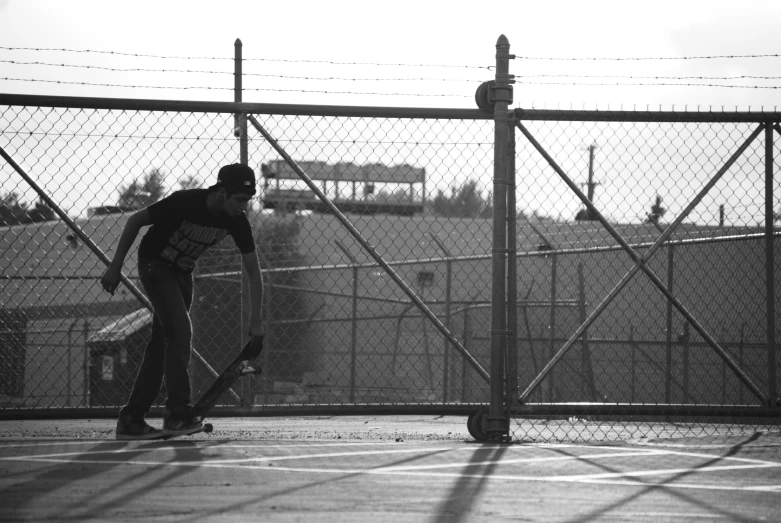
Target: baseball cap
[(236, 178)]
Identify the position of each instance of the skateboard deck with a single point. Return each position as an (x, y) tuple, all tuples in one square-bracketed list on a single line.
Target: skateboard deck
[(242, 365)]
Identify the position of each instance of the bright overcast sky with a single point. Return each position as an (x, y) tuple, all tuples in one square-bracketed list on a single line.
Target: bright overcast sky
[(285, 44)]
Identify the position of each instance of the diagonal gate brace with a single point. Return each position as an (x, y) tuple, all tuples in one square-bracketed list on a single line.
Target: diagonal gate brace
[(640, 264), (97, 250), (372, 251)]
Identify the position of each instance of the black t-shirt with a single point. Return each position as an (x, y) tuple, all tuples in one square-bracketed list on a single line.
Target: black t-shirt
[(182, 228)]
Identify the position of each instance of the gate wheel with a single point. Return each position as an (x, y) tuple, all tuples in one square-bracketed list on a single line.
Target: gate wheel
[(474, 424), (483, 96)]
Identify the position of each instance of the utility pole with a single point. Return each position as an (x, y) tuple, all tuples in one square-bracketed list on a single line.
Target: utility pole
[(587, 214), (591, 183)]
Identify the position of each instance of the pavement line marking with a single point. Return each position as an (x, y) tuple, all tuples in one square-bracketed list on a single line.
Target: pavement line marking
[(676, 515), (521, 460), (213, 462), (51, 457), (125, 450), (169, 446), (539, 479), (752, 445), (770, 488), (662, 472), (625, 478), (730, 458), (49, 444)]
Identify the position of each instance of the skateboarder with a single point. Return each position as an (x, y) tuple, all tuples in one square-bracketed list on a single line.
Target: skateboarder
[(183, 226)]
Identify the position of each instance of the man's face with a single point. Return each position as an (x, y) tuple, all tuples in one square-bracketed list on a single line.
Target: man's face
[(237, 203)]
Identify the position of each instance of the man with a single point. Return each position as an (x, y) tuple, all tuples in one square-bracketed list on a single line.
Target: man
[(183, 226)]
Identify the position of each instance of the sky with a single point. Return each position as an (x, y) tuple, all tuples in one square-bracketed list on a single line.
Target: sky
[(446, 48), (604, 54)]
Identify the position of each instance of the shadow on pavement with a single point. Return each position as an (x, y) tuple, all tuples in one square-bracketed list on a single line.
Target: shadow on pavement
[(467, 490), (79, 474), (601, 513)]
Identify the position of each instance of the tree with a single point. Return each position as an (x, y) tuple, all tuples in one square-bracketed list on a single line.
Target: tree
[(41, 212), (142, 192), (462, 202), (657, 211), (13, 211), (190, 182), (586, 215)]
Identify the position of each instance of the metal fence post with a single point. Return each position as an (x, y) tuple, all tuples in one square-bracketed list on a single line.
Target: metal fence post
[(86, 387), (772, 393), (240, 131), (354, 318), (633, 362), (685, 341), (552, 326), (668, 358), (740, 361), (512, 277), (586, 364), (465, 338), (448, 299), (497, 423)]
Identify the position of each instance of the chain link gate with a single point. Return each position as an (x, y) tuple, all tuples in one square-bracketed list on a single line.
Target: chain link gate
[(382, 298), (617, 355), (360, 307)]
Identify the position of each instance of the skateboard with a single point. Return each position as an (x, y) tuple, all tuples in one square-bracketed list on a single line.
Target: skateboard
[(242, 365)]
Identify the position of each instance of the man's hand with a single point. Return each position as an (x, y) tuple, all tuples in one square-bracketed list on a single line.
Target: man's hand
[(110, 279), (256, 328)]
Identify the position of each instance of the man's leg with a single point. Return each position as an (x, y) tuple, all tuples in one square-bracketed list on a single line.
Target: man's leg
[(178, 343), (179, 416), (150, 374), (168, 350), (131, 424)]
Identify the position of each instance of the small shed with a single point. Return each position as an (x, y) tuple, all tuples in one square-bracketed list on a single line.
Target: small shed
[(115, 353)]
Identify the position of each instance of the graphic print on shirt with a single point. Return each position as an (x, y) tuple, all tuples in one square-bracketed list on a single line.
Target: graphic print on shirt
[(188, 242)]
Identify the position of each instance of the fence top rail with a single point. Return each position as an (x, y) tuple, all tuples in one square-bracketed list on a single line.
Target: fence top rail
[(128, 104), (575, 115)]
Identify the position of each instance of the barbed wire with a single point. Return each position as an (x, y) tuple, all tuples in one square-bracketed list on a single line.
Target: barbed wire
[(535, 58), (115, 53), (201, 71), (196, 88), (346, 79), (648, 58), (648, 84), (631, 77), (331, 62), (440, 95)]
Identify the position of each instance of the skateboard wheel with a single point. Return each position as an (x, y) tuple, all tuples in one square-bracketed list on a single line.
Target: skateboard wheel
[(208, 427)]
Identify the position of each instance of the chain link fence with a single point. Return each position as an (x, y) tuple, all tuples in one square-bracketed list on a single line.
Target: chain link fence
[(642, 354), (391, 311), (340, 332)]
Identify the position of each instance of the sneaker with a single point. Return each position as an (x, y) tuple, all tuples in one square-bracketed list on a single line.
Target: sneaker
[(134, 428), (181, 423)]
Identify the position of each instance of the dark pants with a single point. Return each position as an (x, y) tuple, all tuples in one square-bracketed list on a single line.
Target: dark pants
[(168, 351)]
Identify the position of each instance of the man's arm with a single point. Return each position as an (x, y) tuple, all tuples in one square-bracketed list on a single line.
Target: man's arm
[(111, 278), (252, 267)]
